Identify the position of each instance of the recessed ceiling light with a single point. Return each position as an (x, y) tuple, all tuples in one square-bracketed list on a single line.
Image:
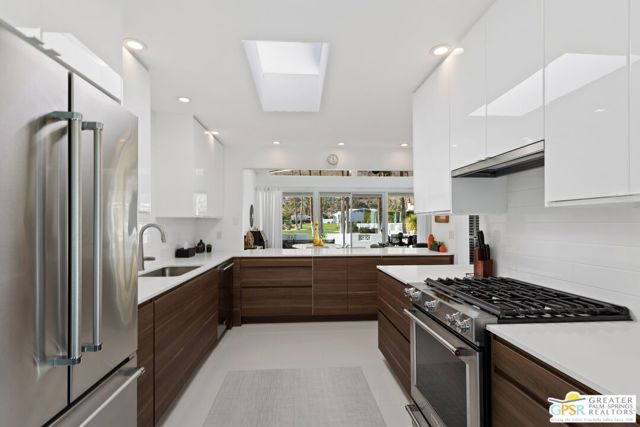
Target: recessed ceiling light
[(341, 143), (404, 144), (276, 142), (211, 132), (457, 51), (599, 110), (441, 49), (134, 44), (184, 99)]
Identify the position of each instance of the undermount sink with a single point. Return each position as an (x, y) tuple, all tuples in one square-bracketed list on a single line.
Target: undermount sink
[(172, 271)]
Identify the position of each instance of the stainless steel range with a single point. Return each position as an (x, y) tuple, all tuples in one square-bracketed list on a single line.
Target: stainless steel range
[(449, 357)]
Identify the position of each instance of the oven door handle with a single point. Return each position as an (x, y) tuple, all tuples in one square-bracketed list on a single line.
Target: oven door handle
[(456, 351)]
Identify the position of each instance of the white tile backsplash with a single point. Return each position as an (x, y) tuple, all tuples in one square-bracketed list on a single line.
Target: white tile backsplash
[(591, 250), (177, 232)]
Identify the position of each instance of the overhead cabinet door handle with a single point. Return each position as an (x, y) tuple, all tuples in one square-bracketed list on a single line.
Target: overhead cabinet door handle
[(96, 344)]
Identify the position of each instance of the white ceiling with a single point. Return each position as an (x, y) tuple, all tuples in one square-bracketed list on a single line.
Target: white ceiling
[(379, 55)]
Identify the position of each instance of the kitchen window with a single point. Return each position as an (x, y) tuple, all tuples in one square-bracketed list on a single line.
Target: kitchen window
[(297, 217)]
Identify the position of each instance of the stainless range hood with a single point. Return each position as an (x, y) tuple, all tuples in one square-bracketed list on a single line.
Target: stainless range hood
[(523, 158)]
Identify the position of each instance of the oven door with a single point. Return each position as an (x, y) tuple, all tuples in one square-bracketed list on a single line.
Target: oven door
[(445, 374)]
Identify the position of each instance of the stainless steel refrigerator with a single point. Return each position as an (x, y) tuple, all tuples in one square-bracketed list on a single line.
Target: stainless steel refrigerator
[(68, 246)]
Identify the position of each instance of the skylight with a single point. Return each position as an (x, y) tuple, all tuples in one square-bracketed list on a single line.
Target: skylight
[(289, 76), (289, 57)]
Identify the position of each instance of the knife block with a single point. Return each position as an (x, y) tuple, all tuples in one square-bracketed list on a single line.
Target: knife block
[(481, 267)]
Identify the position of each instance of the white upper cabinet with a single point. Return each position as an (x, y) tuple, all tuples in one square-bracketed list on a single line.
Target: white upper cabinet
[(467, 82), (431, 170), (587, 98), (514, 51), (187, 168), (634, 92), (434, 190), (208, 174)]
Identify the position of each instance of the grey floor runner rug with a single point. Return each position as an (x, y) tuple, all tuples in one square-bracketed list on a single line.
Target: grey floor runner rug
[(327, 397)]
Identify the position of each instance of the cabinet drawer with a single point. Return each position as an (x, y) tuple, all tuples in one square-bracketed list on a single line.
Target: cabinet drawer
[(362, 274), (276, 302), (396, 349), (260, 277), (392, 302), (363, 302), (511, 407), (332, 303), (330, 275), (531, 377), (276, 262)]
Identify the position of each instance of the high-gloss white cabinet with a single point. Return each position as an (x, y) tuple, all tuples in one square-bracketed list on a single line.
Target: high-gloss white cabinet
[(467, 82), (434, 190), (634, 93), (587, 98), (514, 58), (431, 170), (187, 168), (208, 174)]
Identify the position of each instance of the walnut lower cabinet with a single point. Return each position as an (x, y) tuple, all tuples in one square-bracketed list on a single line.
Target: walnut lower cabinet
[(521, 384), (330, 292), (275, 288), (394, 328), (313, 287), (183, 330)]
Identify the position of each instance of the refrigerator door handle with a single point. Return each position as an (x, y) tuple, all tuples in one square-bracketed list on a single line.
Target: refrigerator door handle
[(75, 236), (96, 344)]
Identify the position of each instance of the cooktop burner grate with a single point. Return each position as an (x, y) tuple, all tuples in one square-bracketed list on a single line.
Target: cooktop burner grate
[(516, 301)]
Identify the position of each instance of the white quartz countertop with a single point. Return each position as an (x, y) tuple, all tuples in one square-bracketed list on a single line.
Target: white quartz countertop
[(602, 355), (416, 274), (332, 251), (150, 287)]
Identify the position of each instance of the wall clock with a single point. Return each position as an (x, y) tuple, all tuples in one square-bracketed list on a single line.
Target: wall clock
[(332, 159)]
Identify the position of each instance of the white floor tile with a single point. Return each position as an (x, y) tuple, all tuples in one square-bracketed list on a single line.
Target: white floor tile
[(292, 345)]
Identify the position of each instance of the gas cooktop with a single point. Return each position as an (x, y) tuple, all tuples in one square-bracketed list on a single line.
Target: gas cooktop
[(515, 301)]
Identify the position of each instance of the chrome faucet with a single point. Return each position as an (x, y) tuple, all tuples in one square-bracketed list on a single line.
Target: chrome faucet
[(141, 257)]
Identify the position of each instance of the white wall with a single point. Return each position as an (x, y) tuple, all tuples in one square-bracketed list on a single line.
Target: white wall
[(227, 234), (248, 197), (455, 235), (593, 251)]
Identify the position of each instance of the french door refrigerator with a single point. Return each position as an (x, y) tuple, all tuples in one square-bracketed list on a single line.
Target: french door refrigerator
[(68, 246)]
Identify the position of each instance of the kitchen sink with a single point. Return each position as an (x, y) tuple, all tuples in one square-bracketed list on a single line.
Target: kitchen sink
[(172, 271)]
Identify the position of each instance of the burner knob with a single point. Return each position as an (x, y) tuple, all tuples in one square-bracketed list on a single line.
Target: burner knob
[(415, 294), (432, 305), (463, 326), (407, 292), (452, 319)]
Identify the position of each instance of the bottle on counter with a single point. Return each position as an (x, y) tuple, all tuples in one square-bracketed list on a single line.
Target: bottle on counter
[(200, 247), (317, 240)]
